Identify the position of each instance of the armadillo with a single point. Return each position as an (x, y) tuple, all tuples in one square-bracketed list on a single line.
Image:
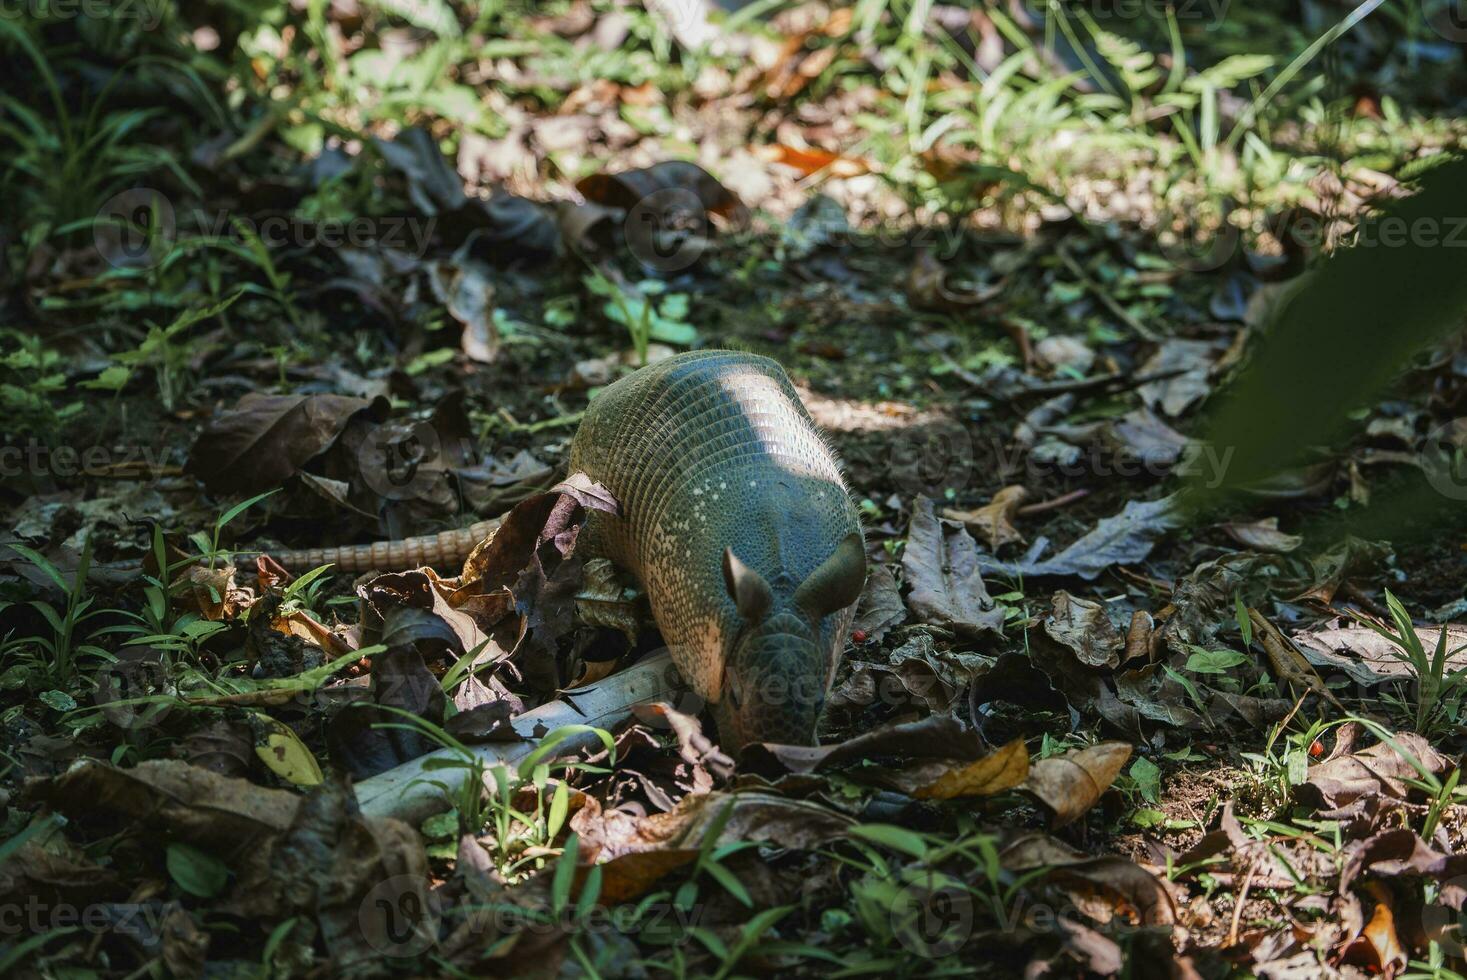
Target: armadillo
[(735, 518)]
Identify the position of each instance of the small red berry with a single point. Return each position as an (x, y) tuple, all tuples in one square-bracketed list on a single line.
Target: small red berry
[(858, 636)]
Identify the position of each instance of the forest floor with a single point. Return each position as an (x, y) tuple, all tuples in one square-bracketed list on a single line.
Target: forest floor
[(327, 276)]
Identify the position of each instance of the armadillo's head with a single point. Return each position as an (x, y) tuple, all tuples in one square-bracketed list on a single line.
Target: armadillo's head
[(791, 633)]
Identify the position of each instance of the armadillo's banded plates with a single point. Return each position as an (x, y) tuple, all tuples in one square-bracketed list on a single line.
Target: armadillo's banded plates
[(703, 451)]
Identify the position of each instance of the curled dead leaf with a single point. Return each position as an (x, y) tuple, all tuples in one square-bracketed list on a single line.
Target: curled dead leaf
[(1100, 887), (1288, 663), (265, 439), (1072, 783), (810, 160), (994, 520), (880, 607), (1263, 535), (628, 188), (1381, 769), (1083, 627)]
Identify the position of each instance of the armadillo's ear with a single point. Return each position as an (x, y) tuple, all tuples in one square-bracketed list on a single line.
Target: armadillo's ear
[(750, 593), (837, 582)]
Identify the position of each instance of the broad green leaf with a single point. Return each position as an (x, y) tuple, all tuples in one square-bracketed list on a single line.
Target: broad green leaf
[(896, 838), (196, 872)]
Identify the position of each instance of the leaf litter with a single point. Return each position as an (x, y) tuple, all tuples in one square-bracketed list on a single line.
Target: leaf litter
[(1131, 729)]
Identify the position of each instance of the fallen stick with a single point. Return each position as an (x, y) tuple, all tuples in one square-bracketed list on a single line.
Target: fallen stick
[(413, 791), (1052, 503)]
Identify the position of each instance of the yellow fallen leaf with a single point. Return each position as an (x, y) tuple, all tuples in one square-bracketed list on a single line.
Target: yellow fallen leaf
[(285, 754), (999, 770)]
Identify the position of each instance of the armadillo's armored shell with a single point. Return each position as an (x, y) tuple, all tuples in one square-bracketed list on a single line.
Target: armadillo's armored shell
[(707, 451)]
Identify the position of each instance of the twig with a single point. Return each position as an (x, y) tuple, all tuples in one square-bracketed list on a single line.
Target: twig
[(1241, 898), (1155, 583), (1054, 503), (1359, 595), (1069, 260), (1114, 381), (1277, 881), (1288, 663)]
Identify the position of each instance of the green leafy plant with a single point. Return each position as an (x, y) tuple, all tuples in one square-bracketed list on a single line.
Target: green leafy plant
[(490, 796), (1283, 763), (1436, 701), (632, 307), (30, 381), (56, 656), (166, 351), (208, 544), (889, 897), (66, 165), (304, 592), (154, 625)]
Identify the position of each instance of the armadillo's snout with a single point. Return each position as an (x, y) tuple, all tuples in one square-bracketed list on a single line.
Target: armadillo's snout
[(774, 689)]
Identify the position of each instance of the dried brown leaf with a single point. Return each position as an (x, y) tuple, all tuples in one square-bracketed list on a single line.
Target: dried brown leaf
[(1100, 887), (942, 568), (1122, 539), (1084, 627), (1072, 783), (1004, 769), (880, 607), (628, 188), (994, 520), (1380, 769), (1263, 535), (265, 439)]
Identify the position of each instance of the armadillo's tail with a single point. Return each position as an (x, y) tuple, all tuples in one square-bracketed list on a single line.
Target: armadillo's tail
[(443, 549)]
